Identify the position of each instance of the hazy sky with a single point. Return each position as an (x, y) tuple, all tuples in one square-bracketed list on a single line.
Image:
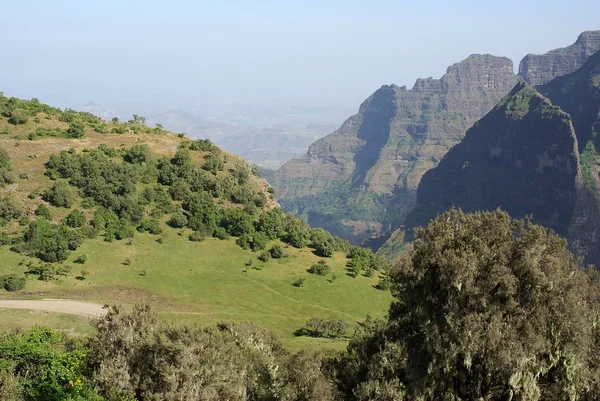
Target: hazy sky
[(315, 52)]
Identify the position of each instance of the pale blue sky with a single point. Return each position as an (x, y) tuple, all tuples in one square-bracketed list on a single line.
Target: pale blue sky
[(316, 52)]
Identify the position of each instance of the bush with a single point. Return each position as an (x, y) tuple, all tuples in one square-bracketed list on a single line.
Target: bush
[(178, 220), (81, 259), (264, 256), (317, 327), (59, 195), (75, 219), (320, 268), (220, 233), (10, 208), (299, 282), (76, 129), (18, 116), (276, 252), (197, 236), (150, 225), (48, 272), (43, 211), (12, 283), (138, 154)]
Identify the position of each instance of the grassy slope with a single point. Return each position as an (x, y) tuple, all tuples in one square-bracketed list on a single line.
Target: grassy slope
[(201, 282)]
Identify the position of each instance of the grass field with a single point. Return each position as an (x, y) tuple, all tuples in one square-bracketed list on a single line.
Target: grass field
[(208, 282)]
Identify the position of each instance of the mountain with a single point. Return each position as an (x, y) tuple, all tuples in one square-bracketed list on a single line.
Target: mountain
[(540, 69), (536, 153), (361, 179)]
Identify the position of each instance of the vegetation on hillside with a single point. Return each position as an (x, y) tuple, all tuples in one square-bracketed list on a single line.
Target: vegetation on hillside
[(485, 307)]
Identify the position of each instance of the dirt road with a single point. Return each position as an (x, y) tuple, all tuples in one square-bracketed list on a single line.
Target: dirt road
[(56, 305)]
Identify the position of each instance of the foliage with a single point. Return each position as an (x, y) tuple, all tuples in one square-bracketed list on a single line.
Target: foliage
[(276, 252), (10, 209), (485, 307), (12, 282), (75, 219), (264, 256), (317, 327), (321, 268), (6, 176), (48, 271), (81, 259), (59, 195), (43, 211), (50, 242)]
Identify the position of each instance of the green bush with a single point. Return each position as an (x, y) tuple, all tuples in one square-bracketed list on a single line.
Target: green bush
[(264, 256), (59, 195), (320, 268), (81, 259), (178, 220), (220, 233), (75, 129), (43, 211), (75, 219), (18, 116), (276, 252), (12, 283)]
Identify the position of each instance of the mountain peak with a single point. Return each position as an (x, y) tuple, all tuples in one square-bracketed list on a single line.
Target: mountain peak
[(541, 69)]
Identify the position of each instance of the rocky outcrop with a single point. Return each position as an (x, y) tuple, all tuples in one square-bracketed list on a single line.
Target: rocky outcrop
[(536, 153), (540, 69), (522, 157), (362, 179)]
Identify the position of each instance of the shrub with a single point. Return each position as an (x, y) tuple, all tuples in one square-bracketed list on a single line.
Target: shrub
[(320, 268), (150, 225), (220, 233), (299, 282), (317, 327), (10, 209), (75, 219), (59, 195), (264, 256), (12, 283), (43, 211), (81, 259), (75, 129), (18, 116), (197, 236), (47, 271), (178, 220), (276, 252)]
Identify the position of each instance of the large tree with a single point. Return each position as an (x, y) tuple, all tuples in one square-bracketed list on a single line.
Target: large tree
[(486, 308)]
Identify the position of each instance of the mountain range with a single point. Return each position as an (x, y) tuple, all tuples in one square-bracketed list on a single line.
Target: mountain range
[(362, 181)]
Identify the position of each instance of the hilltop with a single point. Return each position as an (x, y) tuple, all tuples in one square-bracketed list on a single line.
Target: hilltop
[(112, 211)]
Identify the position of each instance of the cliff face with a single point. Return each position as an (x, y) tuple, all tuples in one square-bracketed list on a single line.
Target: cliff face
[(536, 153), (362, 179), (540, 69), (521, 157)]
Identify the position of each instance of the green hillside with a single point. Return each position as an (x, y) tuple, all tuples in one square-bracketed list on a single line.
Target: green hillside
[(118, 212)]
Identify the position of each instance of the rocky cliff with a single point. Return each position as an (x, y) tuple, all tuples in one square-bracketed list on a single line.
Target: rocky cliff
[(540, 69), (521, 157), (536, 153), (362, 179)]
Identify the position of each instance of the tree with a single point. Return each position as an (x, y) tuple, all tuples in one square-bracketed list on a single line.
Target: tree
[(75, 129), (485, 307), (43, 211), (59, 195), (18, 116), (276, 252), (75, 219), (321, 268), (138, 154)]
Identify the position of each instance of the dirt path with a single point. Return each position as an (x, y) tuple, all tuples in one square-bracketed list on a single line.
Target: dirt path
[(56, 305)]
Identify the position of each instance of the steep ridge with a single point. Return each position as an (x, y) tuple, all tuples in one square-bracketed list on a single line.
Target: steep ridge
[(533, 154), (518, 157), (540, 69), (362, 179)]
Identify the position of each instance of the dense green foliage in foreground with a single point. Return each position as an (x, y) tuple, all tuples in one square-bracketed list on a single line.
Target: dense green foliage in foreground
[(485, 308)]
